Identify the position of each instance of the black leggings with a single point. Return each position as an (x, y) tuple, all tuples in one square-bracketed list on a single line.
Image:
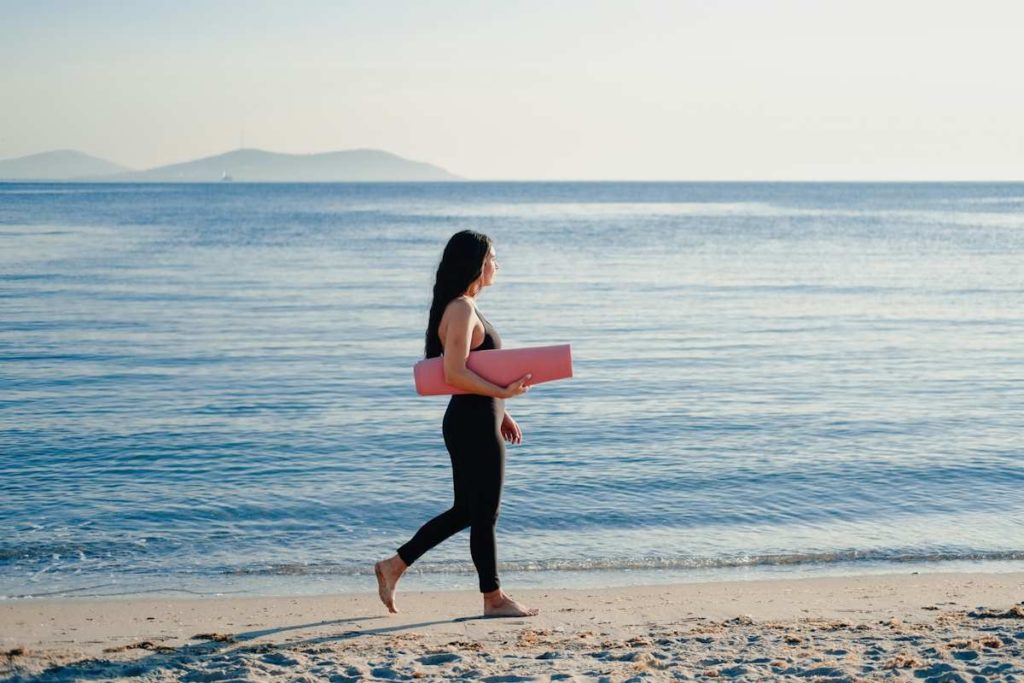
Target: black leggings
[(472, 433)]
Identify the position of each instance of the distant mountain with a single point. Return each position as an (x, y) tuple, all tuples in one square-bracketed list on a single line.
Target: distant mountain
[(256, 165), (61, 164)]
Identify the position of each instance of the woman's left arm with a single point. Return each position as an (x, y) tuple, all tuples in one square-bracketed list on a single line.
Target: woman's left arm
[(510, 430)]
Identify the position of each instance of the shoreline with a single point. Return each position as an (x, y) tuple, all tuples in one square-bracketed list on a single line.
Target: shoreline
[(858, 627), (316, 583)]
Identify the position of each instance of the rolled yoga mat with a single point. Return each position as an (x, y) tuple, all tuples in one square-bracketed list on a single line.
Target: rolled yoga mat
[(499, 366)]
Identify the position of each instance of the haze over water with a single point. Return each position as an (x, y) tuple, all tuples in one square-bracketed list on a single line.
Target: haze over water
[(208, 387)]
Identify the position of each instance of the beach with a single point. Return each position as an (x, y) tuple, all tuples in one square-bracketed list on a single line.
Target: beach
[(899, 626)]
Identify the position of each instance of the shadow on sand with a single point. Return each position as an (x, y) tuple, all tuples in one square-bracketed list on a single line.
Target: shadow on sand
[(192, 661)]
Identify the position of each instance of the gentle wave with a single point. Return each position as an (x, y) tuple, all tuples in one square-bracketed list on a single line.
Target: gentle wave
[(895, 555)]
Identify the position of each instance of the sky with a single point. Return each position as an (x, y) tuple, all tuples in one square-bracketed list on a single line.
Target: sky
[(523, 90)]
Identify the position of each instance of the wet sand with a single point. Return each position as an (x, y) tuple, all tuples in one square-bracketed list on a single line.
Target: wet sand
[(900, 626)]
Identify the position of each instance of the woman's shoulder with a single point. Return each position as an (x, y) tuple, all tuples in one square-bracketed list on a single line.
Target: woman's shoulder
[(461, 306), (459, 312)]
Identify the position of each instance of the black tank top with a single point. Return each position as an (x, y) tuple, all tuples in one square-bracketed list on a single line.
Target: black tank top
[(491, 338)]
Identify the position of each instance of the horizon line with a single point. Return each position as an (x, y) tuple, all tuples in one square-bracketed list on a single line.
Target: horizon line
[(460, 179), (851, 181)]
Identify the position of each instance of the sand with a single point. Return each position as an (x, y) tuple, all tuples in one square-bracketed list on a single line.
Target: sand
[(900, 626)]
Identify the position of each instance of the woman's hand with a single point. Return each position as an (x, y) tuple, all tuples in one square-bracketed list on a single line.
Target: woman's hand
[(518, 387), (510, 430)]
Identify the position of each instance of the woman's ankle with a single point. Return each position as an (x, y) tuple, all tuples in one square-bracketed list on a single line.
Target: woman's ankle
[(396, 563)]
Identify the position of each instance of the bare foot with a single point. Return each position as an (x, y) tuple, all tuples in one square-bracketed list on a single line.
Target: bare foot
[(499, 604), (388, 573)]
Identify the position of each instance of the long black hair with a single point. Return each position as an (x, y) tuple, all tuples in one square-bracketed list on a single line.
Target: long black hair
[(461, 264)]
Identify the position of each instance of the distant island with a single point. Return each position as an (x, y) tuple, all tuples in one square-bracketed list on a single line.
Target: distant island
[(240, 165), (61, 164)]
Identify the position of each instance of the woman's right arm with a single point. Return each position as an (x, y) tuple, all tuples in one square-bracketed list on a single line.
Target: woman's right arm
[(456, 351)]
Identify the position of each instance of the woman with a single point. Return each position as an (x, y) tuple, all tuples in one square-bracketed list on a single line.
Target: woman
[(474, 424)]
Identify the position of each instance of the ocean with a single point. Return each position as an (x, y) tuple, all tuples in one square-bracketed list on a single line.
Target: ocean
[(207, 389)]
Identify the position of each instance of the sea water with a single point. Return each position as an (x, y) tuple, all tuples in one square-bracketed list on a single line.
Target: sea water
[(208, 388)]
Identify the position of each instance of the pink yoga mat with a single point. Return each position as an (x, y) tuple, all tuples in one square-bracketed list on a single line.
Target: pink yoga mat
[(499, 366)]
